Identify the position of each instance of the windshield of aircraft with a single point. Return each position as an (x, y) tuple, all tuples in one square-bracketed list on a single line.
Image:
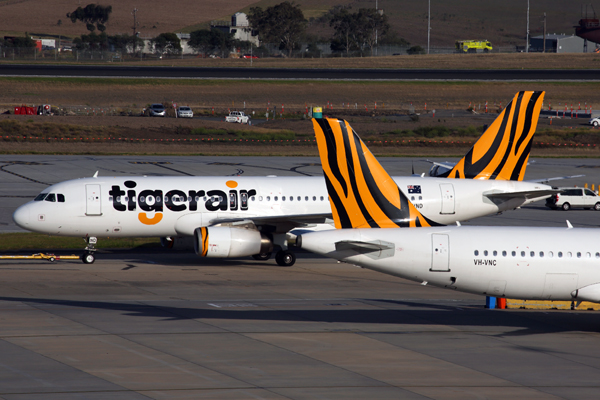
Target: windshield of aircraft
[(52, 197)]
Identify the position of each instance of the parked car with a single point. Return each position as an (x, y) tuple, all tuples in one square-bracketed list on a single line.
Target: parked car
[(574, 197), (157, 110), (249, 56), (595, 121), (237, 116), (185, 112)]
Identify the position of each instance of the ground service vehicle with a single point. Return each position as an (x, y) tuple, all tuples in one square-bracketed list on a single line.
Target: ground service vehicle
[(595, 121), (237, 116), (574, 197), (473, 46)]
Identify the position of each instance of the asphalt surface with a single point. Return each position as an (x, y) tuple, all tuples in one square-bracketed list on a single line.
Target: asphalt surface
[(167, 325), (297, 73)]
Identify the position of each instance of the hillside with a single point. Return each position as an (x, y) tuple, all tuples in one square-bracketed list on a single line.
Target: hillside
[(503, 23)]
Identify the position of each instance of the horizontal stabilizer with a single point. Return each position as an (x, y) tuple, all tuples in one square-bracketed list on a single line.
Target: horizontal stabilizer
[(557, 178), (527, 194), (376, 249)]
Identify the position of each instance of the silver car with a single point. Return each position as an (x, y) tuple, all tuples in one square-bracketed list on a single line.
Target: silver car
[(185, 112), (157, 110)]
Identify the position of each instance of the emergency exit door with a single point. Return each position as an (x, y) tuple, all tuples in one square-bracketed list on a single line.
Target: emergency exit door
[(440, 253), (92, 203), (447, 190)]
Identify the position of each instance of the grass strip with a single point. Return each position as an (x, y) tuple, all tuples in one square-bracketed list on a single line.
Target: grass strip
[(37, 241)]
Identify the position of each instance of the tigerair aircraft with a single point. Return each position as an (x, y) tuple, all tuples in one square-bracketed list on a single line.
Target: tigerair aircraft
[(253, 216), (516, 262)]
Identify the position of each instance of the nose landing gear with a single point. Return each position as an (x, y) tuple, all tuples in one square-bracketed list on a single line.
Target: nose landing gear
[(88, 256)]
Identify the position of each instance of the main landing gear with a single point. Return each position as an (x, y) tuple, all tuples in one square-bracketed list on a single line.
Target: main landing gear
[(88, 256), (284, 258)]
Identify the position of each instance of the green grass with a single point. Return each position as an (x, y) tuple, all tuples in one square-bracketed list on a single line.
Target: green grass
[(38, 241)]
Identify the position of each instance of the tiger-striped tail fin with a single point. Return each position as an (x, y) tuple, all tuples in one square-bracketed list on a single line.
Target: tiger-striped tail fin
[(502, 151), (362, 193)]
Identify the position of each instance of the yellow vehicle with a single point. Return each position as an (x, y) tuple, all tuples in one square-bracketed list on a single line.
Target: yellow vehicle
[(473, 46)]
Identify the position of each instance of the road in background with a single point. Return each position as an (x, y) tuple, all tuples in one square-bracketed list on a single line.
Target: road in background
[(298, 73)]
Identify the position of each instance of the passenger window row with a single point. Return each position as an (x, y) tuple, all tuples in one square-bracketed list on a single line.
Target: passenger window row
[(287, 198), (540, 254)]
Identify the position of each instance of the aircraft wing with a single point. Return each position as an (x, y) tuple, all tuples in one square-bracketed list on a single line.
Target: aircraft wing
[(546, 180), (376, 249), (278, 223), (527, 194)]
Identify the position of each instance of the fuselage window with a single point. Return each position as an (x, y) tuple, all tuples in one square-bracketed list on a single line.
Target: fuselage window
[(522, 254), (578, 254), (314, 198), (514, 253), (597, 255), (588, 255), (322, 198), (110, 198), (532, 253), (299, 198), (495, 253), (282, 198), (550, 254), (291, 198), (412, 198), (260, 198), (541, 254), (476, 252), (275, 198), (40, 197), (253, 198), (142, 199), (485, 253), (420, 197), (268, 198), (569, 254), (51, 197), (560, 254), (503, 253), (306, 198)]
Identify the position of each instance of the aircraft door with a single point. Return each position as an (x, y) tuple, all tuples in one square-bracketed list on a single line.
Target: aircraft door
[(559, 285), (447, 190), (440, 253), (92, 202)]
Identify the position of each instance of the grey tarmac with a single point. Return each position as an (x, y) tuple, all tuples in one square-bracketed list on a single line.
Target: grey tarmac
[(168, 325)]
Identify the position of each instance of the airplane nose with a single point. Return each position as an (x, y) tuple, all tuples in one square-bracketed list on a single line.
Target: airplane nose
[(21, 217)]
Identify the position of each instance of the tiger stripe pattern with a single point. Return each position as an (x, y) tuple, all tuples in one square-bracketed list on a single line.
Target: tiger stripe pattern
[(361, 192), (203, 239), (502, 151)]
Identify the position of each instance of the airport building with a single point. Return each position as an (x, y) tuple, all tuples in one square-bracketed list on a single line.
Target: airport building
[(560, 44)]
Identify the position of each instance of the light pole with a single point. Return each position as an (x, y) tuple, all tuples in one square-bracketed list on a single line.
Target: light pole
[(527, 44), (429, 24)]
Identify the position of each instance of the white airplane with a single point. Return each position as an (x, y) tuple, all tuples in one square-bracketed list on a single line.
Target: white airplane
[(515, 262), (250, 216)]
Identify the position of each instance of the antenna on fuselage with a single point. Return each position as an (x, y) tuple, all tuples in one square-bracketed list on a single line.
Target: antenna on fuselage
[(95, 175)]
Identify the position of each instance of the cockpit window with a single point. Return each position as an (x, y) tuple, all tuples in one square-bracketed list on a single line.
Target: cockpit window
[(40, 197), (50, 197), (61, 198)]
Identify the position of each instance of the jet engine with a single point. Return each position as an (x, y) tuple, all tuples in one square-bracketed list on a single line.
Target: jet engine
[(226, 241)]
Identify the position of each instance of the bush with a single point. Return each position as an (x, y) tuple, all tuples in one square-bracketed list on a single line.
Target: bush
[(416, 50)]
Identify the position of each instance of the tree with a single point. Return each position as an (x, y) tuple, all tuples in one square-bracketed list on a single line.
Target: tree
[(166, 44), (91, 42), (284, 24), (126, 43), (94, 16), (357, 31), (201, 41)]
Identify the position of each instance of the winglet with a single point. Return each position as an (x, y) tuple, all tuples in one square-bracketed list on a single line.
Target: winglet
[(502, 151), (362, 193)]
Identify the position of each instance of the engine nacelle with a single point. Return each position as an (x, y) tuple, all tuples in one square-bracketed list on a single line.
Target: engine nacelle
[(225, 241)]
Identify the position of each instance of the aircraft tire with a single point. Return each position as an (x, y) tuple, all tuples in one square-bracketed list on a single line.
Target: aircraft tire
[(88, 258), (261, 256), (285, 258)]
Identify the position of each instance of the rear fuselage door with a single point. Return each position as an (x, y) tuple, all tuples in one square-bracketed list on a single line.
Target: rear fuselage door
[(92, 203), (440, 253), (447, 190)]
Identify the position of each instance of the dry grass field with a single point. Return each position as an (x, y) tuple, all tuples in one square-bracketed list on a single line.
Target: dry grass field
[(503, 23)]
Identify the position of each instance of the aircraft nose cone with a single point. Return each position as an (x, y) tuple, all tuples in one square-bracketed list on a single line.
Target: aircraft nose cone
[(21, 217)]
